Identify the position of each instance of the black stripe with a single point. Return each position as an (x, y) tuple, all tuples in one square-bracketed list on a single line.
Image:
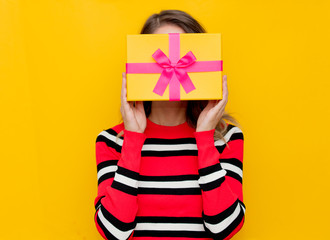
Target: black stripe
[(175, 141), (222, 215), (98, 202), (212, 185), (230, 126), (113, 132), (242, 204), (109, 143), (105, 177), (122, 226), (151, 233), (234, 175), (169, 178), (124, 188), (210, 169), (128, 173), (233, 136), (170, 191), (233, 161), (225, 233), (157, 219), (106, 163), (221, 148), (148, 153), (105, 231), (236, 136)]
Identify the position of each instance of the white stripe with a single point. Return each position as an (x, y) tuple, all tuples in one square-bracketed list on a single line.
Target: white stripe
[(125, 180), (219, 227), (170, 226), (153, 147), (228, 135), (106, 170), (169, 147), (112, 229), (169, 184), (211, 177), (232, 168), (112, 138), (243, 208)]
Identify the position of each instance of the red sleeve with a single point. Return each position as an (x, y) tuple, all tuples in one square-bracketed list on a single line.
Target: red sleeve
[(220, 169), (118, 166)]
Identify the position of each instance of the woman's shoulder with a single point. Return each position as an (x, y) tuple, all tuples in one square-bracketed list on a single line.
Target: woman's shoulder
[(232, 134), (116, 129), (112, 135), (234, 130)]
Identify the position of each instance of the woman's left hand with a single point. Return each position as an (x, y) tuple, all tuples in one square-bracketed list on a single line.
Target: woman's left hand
[(212, 113)]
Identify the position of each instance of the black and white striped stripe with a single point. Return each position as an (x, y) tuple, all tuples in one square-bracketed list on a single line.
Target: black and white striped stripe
[(153, 147), (234, 168), (169, 227), (158, 147), (110, 138), (106, 170), (169, 185), (211, 177), (222, 224), (112, 227), (233, 133), (126, 181), (98, 204)]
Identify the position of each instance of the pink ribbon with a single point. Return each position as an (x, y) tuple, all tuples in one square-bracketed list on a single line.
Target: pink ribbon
[(174, 70)]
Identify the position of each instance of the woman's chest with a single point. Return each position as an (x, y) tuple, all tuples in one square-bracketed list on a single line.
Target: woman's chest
[(168, 183)]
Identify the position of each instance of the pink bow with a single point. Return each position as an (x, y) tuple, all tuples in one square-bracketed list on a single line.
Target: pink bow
[(170, 69)]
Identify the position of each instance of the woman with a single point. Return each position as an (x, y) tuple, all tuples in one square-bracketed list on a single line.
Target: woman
[(172, 169)]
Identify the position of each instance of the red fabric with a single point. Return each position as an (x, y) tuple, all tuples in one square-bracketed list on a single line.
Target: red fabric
[(126, 207)]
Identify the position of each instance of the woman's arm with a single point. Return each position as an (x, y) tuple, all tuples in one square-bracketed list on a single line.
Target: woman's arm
[(118, 172), (116, 203), (221, 182)]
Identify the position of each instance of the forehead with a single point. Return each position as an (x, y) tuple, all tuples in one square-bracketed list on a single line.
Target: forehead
[(169, 28)]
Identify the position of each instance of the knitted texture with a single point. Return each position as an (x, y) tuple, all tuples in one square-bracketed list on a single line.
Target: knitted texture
[(169, 182)]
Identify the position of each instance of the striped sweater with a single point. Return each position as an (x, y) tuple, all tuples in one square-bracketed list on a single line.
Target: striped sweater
[(169, 182)]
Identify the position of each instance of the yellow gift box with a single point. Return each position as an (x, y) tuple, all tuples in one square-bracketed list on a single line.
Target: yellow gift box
[(174, 66)]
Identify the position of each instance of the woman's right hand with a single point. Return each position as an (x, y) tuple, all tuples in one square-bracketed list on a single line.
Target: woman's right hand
[(134, 116)]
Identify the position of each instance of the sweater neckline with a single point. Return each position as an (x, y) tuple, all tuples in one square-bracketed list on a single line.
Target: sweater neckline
[(154, 125)]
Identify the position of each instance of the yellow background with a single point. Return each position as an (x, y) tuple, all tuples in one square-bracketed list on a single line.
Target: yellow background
[(60, 71)]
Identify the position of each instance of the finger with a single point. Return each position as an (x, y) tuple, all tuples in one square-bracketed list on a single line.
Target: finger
[(139, 106), (221, 105), (224, 99), (131, 104), (123, 87), (126, 106), (210, 104), (224, 88), (219, 114)]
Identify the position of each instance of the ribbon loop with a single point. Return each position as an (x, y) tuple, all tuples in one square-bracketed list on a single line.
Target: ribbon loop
[(161, 58), (186, 60)]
